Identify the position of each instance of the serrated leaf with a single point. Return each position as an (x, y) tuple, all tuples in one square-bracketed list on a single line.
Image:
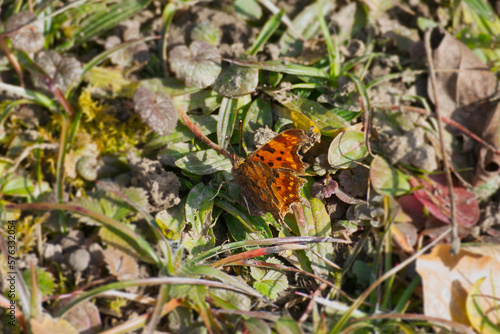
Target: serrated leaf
[(120, 264), (46, 282), (269, 282), (157, 110), (110, 204), (199, 66), (204, 162), (386, 180), (347, 148)]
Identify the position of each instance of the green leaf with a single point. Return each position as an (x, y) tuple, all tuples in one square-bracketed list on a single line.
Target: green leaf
[(199, 206), (258, 115), (223, 277), (306, 23), (110, 204), (46, 282), (249, 9), (326, 120), (227, 117), (172, 221), (267, 30), (386, 180), (333, 50), (349, 146), (235, 81), (280, 66), (204, 162), (170, 86), (18, 186), (205, 101), (254, 325), (482, 8), (269, 282), (106, 18), (287, 325), (208, 32), (477, 309), (206, 123)]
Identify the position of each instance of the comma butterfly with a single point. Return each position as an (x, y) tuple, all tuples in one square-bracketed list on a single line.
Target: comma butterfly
[(267, 176)]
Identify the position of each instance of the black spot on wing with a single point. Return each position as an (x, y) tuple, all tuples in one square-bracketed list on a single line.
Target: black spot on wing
[(268, 148)]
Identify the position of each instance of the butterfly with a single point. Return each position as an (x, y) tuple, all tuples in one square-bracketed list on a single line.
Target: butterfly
[(267, 176)]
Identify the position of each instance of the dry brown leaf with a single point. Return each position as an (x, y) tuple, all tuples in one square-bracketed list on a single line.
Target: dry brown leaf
[(466, 88), (121, 265), (85, 318), (44, 324), (447, 281)]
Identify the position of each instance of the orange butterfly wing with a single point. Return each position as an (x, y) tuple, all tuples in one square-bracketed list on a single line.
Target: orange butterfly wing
[(286, 189), (282, 151), (267, 177)]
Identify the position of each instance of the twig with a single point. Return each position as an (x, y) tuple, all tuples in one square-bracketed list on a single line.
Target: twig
[(197, 132), (455, 241), (13, 61)]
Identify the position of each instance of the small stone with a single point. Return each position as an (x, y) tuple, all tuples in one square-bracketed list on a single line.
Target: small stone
[(96, 254), (73, 239), (52, 253), (79, 260)]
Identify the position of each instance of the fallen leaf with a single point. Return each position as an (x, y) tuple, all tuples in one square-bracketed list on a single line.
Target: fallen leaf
[(434, 196), (466, 88), (448, 280), (43, 324)]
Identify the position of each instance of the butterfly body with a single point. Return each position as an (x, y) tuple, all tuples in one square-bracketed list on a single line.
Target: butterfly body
[(267, 176)]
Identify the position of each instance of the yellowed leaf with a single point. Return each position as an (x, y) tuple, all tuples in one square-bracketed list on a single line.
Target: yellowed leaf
[(482, 309), (448, 281)]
